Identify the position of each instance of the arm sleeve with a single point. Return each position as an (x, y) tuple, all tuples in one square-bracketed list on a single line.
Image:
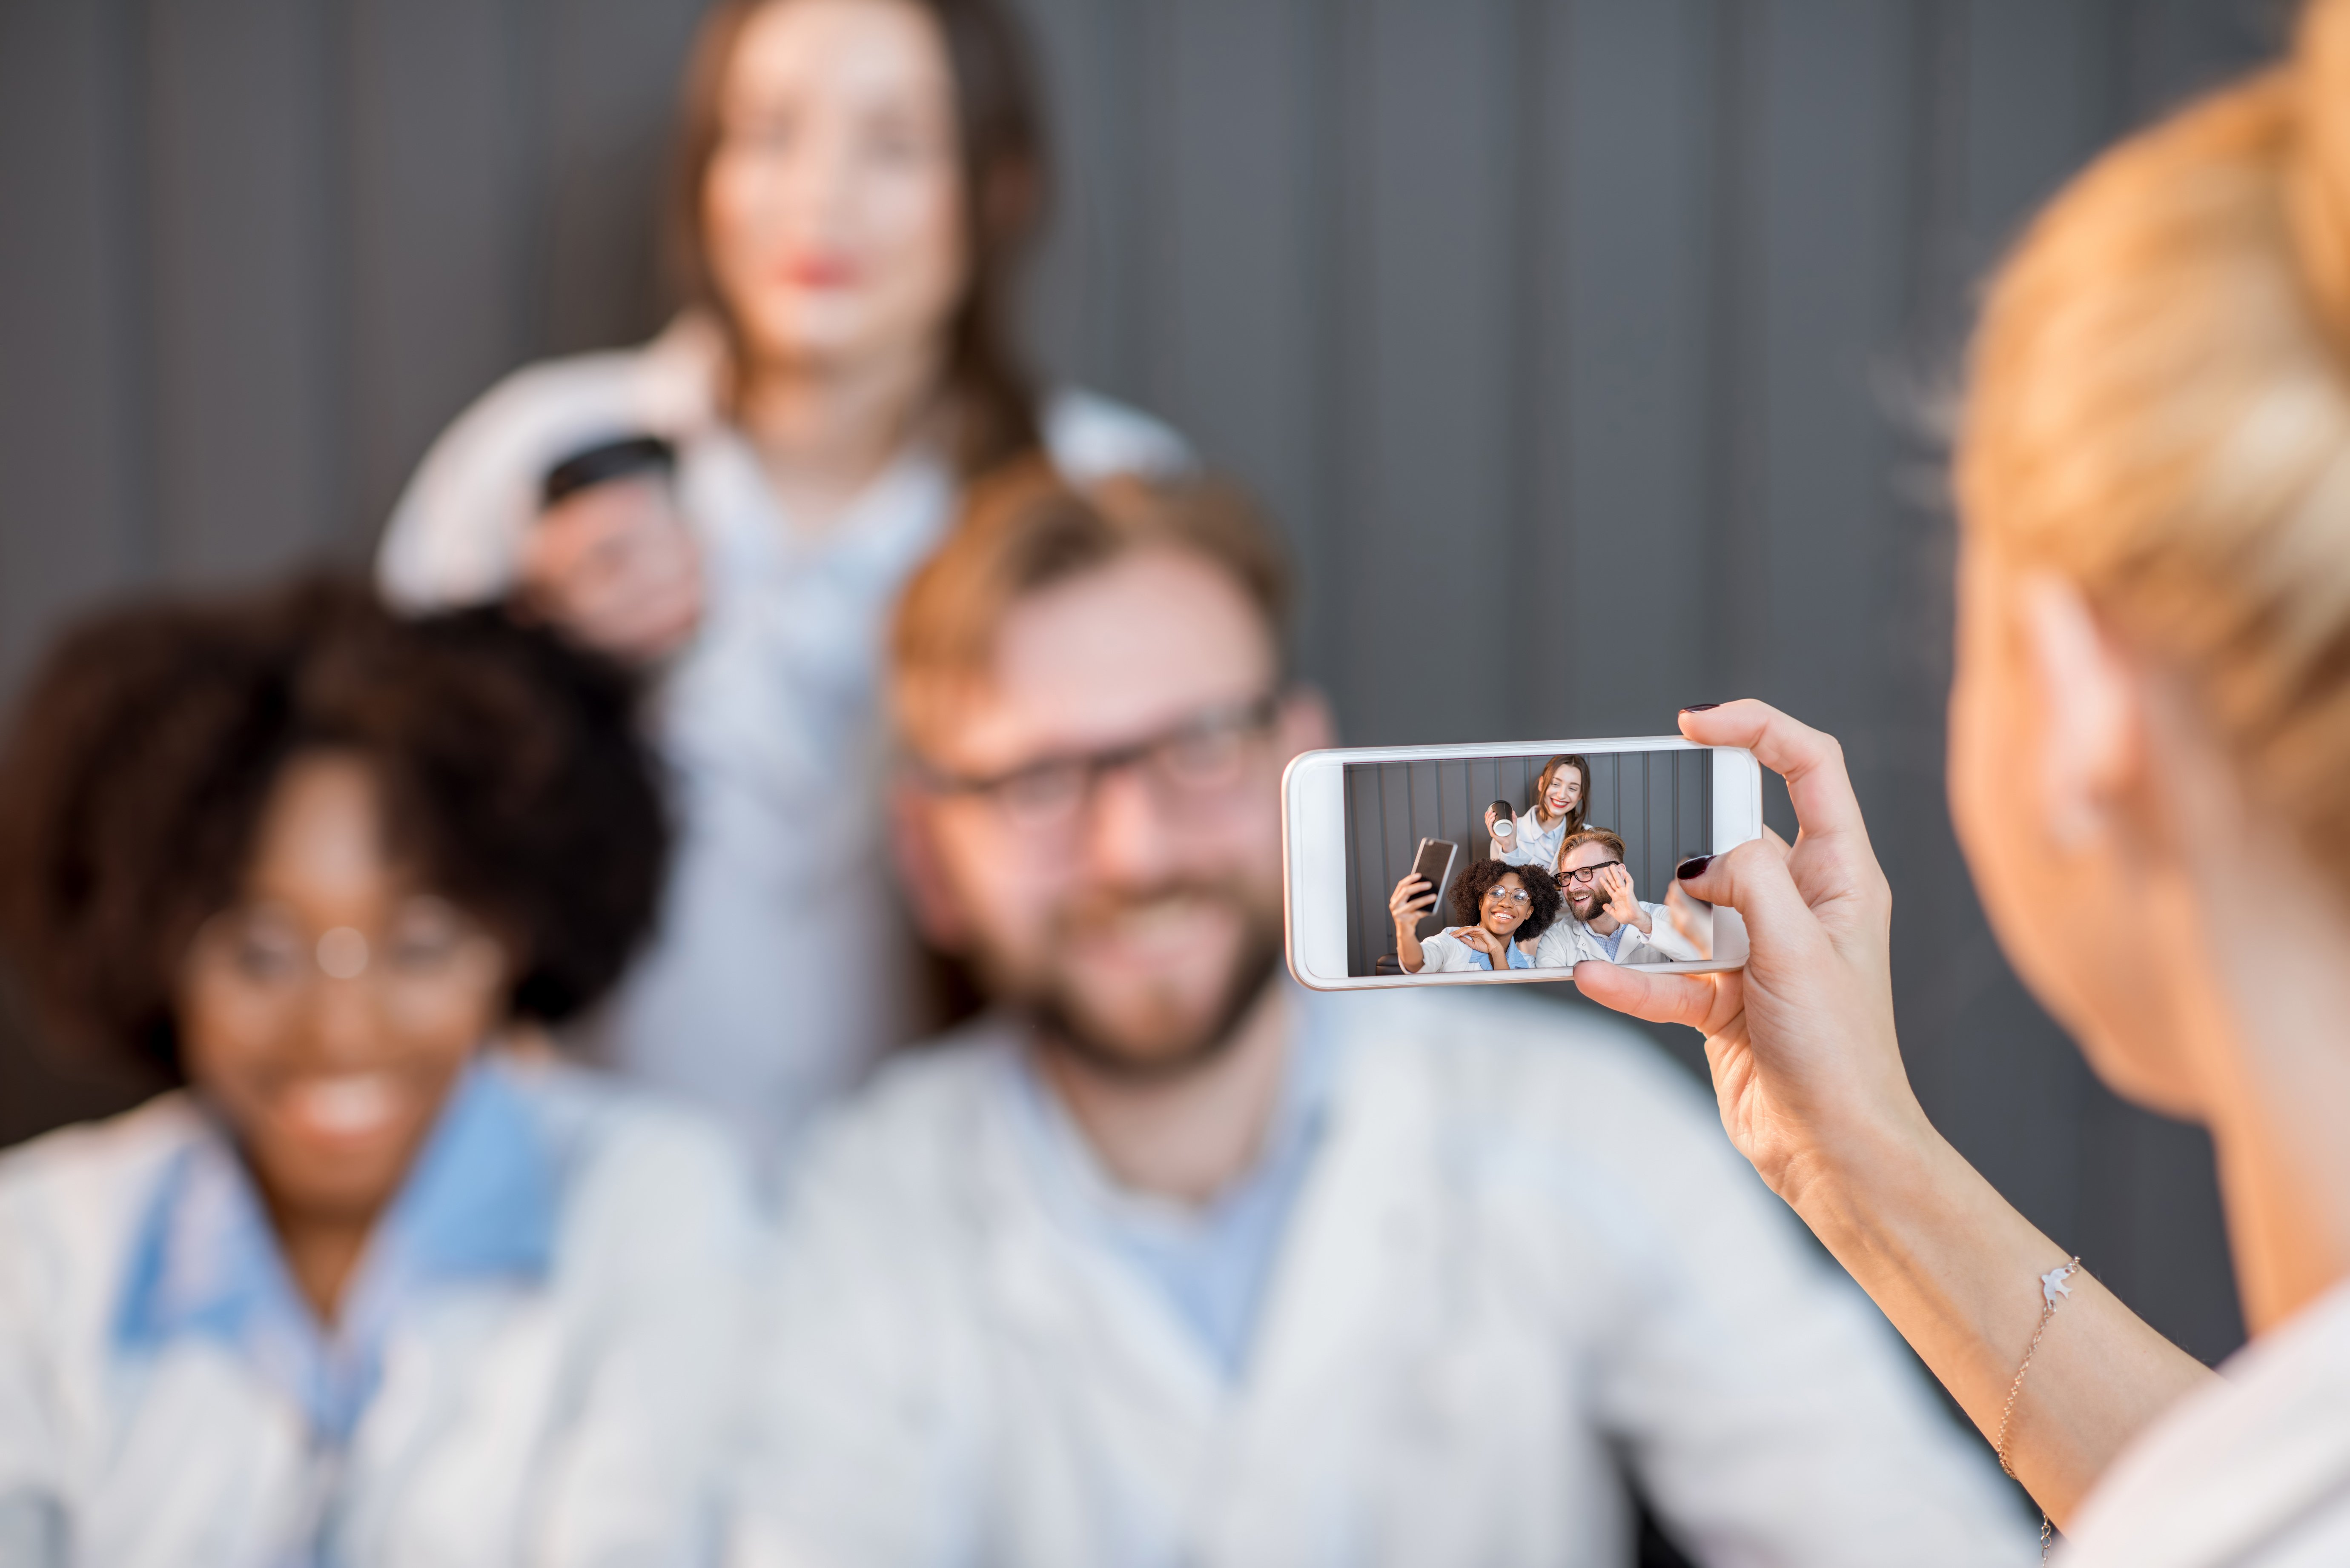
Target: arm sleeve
[(455, 536), (862, 1448), (1766, 1406), (632, 1473), (32, 1507)]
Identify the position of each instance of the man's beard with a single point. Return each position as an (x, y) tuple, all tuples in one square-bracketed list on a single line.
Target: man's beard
[(1061, 1020), (1580, 912)]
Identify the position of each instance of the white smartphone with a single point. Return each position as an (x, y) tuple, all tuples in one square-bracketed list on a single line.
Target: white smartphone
[(1594, 879)]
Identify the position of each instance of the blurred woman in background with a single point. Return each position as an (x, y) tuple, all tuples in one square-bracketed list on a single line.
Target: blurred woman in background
[(2149, 748), (1562, 794), (368, 1288), (858, 181)]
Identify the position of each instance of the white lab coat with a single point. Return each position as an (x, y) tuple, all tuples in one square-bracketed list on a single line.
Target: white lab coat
[(1524, 1258), (1570, 942), (574, 1421), (1532, 844), (2252, 1472), (769, 987), (1445, 953)]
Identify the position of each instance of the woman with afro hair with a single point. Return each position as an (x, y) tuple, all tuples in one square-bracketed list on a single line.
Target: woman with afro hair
[(1502, 912), (369, 1285)]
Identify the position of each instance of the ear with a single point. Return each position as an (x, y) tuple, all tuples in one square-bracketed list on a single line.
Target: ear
[(2092, 710), (921, 870), (1305, 722)]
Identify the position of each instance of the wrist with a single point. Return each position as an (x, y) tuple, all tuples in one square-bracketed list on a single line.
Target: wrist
[(1867, 1190)]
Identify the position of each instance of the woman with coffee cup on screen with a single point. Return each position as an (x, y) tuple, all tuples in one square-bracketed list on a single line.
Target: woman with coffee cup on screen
[(2149, 747), (1562, 792), (858, 181)]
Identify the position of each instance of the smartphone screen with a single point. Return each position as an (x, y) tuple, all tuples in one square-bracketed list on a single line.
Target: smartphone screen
[(1588, 872)]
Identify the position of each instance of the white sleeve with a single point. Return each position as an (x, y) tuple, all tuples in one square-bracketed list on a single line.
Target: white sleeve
[(33, 1520), (1666, 937), (1766, 1405), (661, 1282), (1446, 953), (455, 535), (864, 1444), (1090, 437)]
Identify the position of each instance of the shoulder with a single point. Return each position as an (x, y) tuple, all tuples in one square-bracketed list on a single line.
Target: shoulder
[(633, 1170), (1092, 437), (2253, 1467), (910, 1131), (71, 1199)]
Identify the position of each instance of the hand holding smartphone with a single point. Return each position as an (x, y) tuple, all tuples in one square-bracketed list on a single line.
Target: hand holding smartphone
[(1379, 894)]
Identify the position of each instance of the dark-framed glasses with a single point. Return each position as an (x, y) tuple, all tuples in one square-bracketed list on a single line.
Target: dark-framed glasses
[(1191, 765), (1583, 875)]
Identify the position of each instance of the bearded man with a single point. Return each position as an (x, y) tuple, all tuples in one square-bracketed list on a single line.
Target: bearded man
[(1169, 1261)]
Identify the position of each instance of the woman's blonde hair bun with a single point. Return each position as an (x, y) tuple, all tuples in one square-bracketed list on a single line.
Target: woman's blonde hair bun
[(2159, 409)]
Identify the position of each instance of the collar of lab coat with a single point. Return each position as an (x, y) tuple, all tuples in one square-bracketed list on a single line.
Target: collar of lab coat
[(1351, 1259), (480, 1202)]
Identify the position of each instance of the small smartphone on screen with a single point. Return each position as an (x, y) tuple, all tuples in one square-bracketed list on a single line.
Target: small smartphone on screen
[(1432, 863), (1355, 823)]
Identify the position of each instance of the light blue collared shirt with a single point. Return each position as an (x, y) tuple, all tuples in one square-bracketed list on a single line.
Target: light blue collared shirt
[(1212, 1265), (1519, 958), (478, 1202)]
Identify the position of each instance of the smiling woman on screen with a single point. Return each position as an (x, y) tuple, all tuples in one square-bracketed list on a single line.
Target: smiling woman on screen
[(2150, 773)]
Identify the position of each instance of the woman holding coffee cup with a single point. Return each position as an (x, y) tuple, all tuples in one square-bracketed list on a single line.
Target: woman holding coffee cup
[(857, 184)]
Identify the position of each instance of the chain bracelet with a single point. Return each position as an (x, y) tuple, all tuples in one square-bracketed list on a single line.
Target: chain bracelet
[(2055, 1286)]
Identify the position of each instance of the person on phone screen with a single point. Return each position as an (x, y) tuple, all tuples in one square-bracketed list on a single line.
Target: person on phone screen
[(1170, 1259), (860, 181), (1604, 919), (1502, 911), (382, 1282), (2149, 736), (1562, 794)]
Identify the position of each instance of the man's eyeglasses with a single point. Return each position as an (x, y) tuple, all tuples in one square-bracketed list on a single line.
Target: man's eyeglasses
[(1196, 764), (1583, 875)]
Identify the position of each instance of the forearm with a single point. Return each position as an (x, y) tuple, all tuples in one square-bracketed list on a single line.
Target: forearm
[(1408, 949), (1957, 1270)]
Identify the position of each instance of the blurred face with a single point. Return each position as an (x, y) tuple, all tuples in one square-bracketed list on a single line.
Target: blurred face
[(2078, 908), (1578, 879), (1503, 907), (1565, 789), (832, 212), (327, 1011), (1132, 902)]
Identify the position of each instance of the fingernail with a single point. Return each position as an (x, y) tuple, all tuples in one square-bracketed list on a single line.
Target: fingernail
[(1700, 707), (1693, 866)]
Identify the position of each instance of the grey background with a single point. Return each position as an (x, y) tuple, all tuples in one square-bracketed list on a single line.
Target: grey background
[(1588, 348), (1659, 802)]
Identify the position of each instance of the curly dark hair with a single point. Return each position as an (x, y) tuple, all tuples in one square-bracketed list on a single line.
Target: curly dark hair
[(144, 751), (1469, 894)]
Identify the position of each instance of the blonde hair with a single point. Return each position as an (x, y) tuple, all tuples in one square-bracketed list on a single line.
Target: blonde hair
[(2161, 411), (1026, 529)]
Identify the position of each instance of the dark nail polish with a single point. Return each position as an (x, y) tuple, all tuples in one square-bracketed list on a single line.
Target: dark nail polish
[(1693, 866), (1700, 707)]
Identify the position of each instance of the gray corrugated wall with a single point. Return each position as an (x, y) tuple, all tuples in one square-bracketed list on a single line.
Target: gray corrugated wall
[(1565, 336)]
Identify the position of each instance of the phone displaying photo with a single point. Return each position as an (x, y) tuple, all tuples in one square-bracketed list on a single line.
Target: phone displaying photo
[(1586, 873)]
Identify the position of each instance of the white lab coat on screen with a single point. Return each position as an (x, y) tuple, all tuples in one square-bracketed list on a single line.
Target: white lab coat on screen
[(769, 987), (1524, 1258), (574, 1419), (1569, 942), (2250, 1472)]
